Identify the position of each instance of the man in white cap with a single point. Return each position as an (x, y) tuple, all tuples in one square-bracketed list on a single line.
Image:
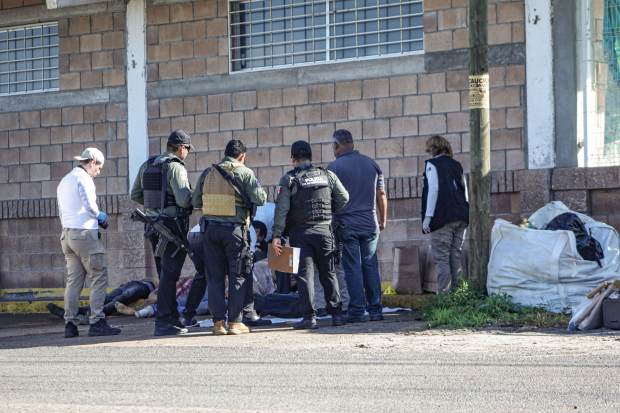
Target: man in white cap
[(81, 243)]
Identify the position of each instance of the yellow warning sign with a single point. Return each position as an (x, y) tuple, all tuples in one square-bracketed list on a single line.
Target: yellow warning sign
[(390, 291), (479, 91)]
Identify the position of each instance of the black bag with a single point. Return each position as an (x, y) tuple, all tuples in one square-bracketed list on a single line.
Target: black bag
[(589, 248)]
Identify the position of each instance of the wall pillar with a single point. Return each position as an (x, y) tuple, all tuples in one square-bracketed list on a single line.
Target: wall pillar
[(137, 113)]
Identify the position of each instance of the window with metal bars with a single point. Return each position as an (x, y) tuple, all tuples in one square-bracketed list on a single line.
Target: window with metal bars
[(28, 59), (274, 33)]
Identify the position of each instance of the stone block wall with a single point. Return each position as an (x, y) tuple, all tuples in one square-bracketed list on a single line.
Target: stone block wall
[(187, 40), (30, 250), (91, 51), (12, 4)]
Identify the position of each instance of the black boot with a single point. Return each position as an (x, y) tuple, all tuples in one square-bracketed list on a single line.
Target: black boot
[(176, 322), (101, 328), (57, 311), (255, 321), (189, 323), (71, 330), (338, 320), (308, 323), (169, 330), (321, 312)]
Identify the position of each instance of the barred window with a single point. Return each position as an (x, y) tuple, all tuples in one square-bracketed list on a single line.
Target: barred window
[(29, 59), (271, 33)]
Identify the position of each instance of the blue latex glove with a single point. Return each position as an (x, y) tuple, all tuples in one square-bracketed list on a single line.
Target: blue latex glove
[(102, 216)]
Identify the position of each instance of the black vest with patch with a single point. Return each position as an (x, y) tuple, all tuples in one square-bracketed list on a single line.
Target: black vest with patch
[(154, 183), (451, 202), (313, 200)]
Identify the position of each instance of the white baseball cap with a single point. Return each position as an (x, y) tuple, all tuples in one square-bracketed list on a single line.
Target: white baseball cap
[(90, 153)]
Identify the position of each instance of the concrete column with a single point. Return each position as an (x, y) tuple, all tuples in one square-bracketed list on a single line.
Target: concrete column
[(565, 72), (539, 78), (137, 112)]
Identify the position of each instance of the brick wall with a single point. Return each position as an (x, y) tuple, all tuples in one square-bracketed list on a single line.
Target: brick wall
[(30, 251), (12, 4), (187, 40), (91, 51), (592, 191)]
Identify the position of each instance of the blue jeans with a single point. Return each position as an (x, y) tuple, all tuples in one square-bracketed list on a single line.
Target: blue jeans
[(361, 270)]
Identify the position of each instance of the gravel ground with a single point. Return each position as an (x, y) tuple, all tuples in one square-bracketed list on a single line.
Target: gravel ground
[(391, 366)]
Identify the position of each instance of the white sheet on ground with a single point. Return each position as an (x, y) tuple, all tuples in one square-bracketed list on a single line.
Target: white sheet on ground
[(209, 323), (544, 267)]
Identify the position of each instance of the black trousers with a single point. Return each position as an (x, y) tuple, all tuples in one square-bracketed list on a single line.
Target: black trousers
[(169, 273), (223, 245), (124, 294), (317, 244), (199, 285)]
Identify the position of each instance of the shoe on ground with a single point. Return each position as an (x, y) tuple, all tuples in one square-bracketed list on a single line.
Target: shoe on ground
[(219, 328), (57, 311), (169, 330), (101, 328), (355, 319), (376, 317), (237, 328), (71, 330), (338, 320), (308, 323), (321, 312), (123, 309), (256, 322), (189, 323)]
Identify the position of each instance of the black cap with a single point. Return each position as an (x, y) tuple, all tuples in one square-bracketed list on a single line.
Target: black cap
[(301, 148), (180, 137)]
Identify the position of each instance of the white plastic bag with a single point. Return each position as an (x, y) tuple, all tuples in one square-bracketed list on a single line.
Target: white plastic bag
[(543, 267)]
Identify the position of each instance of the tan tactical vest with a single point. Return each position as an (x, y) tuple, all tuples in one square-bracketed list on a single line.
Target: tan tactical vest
[(218, 196)]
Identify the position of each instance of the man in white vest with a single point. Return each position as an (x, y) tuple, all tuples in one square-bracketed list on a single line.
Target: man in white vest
[(81, 243)]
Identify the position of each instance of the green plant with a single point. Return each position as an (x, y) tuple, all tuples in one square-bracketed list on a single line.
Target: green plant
[(468, 307)]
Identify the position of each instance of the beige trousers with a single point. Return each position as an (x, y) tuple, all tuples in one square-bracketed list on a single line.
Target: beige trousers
[(446, 243), (85, 254)]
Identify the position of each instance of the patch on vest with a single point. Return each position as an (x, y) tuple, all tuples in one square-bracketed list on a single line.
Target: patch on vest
[(313, 180), (183, 176)]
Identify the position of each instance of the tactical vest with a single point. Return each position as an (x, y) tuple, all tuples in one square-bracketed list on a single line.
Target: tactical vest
[(313, 200), (219, 198), (155, 182)]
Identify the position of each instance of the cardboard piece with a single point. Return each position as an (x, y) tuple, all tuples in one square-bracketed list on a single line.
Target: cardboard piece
[(287, 262), (406, 273), (430, 282)]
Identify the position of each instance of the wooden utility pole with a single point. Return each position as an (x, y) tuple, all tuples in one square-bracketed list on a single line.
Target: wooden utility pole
[(480, 144)]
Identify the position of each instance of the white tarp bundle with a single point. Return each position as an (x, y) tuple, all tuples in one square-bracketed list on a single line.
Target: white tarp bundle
[(544, 267)]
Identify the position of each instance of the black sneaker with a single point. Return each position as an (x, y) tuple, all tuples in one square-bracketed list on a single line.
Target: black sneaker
[(338, 320), (176, 322), (376, 317), (71, 330), (101, 328), (308, 323), (321, 312), (169, 330), (189, 323), (57, 311), (355, 318)]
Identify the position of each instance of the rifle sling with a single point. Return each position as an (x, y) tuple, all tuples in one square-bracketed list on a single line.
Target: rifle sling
[(236, 186)]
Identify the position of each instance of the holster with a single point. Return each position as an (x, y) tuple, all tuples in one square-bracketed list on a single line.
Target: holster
[(203, 225)]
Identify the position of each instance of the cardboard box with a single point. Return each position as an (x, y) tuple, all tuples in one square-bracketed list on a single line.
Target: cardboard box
[(288, 261), (406, 272)]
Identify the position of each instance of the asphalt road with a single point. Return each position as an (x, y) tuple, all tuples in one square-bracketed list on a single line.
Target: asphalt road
[(391, 366)]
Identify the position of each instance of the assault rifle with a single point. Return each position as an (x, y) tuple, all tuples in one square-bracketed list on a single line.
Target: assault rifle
[(164, 234)]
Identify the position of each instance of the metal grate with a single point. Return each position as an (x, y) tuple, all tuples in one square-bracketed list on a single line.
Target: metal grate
[(29, 59), (274, 33), (602, 66)]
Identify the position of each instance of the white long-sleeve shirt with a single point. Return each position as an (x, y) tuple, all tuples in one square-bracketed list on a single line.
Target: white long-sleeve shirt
[(77, 200), (433, 188)]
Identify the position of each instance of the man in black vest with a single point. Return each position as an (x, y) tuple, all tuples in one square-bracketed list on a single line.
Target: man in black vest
[(307, 196), (445, 210), (163, 187)]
